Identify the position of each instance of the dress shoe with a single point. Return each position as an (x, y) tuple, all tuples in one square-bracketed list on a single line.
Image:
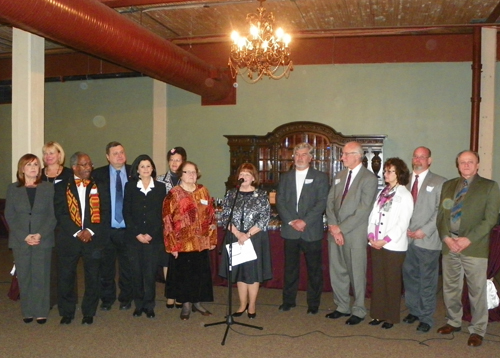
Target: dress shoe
[(410, 319), (252, 315), (387, 325), (238, 313), (475, 340), (88, 320), (170, 305), (286, 307), (337, 314), (423, 327), (201, 309), (149, 313), (66, 320), (351, 321), (28, 320), (41, 320), (125, 306), (186, 311), (375, 322), (137, 312), (312, 310), (447, 329), (106, 306)]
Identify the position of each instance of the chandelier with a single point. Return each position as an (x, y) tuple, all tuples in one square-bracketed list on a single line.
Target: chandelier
[(261, 53)]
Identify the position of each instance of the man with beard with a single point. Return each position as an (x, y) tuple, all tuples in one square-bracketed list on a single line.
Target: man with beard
[(421, 265), (301, 201)]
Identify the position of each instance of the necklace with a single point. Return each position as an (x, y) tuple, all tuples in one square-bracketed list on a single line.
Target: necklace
[(55, 176)]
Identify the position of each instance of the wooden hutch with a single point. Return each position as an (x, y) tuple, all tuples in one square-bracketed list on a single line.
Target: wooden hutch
[(272, 154)]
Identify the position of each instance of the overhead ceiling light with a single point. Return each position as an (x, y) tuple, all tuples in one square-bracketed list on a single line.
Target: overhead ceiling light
[(262, 52)]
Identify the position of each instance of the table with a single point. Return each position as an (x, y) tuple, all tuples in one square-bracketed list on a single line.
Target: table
[(277, 255)]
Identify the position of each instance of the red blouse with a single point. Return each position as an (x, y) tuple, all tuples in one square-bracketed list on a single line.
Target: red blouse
[(189, 220)]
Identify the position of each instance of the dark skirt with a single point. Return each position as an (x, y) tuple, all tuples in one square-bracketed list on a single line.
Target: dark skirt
[(258, 270), (189, 277)]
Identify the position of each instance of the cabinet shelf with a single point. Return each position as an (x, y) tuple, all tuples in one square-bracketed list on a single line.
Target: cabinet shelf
[(272, 154)]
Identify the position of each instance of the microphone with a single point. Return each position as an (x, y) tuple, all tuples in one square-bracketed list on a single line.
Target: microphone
[(241, 180)]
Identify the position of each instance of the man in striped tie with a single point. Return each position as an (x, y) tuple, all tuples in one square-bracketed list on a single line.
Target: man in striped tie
[(468, 211)]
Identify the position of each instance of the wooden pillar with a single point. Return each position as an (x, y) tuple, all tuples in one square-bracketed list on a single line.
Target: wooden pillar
[(28, 81), (476, 89), (487, 105), (160, 126)]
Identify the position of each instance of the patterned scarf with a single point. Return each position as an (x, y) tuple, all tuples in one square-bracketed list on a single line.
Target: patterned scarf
[(74, 207)]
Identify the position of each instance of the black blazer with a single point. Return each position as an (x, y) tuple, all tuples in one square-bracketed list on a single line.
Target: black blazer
[(67, 228), (143, 213)]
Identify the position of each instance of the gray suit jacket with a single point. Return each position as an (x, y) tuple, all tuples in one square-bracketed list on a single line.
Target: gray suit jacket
[(352, 216), (311, 206), (425, 212), (24, 220)]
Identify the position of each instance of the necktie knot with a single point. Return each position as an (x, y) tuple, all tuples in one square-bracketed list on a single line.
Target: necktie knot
[(85, 182)]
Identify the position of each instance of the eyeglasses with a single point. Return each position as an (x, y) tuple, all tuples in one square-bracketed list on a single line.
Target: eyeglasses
[(83, 165), (345, 154), (421, 157), (389, 171), (300, 155), (189, 172)]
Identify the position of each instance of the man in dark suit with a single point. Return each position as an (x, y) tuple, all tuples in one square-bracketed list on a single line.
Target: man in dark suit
[(468, 211), (114, 177), (80, 210), (349, 205), (301, 201), (421, 265)]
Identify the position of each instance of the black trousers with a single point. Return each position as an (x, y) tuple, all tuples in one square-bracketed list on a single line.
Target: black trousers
[(144, 264), (313, 254), (69, 252), (116, 249)]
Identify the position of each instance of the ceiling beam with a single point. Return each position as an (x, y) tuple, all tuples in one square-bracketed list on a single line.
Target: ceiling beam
[(495, 14)]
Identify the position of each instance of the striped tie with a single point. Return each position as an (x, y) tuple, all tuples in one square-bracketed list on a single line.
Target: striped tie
[(456, 211)]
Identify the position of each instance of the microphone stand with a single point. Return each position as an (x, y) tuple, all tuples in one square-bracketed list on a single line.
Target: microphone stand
[(229, 321)]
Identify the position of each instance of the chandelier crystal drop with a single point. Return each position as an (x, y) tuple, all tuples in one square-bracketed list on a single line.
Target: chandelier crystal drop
[(263, 52)]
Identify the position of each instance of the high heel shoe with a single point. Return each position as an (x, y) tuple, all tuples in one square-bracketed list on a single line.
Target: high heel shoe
[(197, 307), (251, 315), (239, 314)]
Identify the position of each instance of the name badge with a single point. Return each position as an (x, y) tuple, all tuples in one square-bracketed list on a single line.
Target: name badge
[(204, 202)]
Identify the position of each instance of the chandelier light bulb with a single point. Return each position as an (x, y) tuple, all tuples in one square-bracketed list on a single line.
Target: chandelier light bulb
[(279, 33), (287, 39), (235, 36)]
